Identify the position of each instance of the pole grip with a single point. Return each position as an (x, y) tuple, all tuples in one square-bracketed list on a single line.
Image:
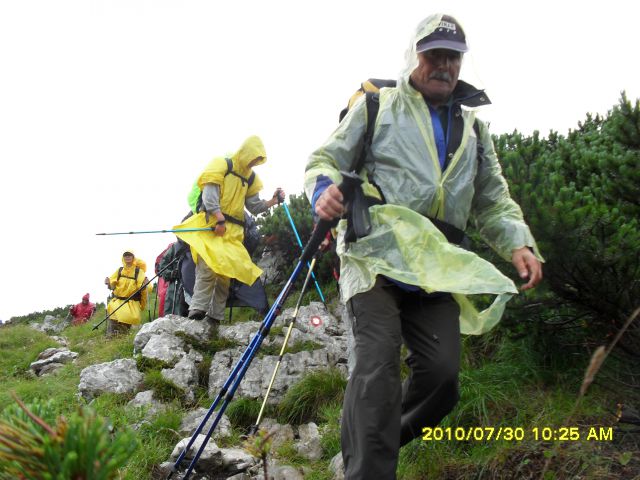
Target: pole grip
[(350, 181)]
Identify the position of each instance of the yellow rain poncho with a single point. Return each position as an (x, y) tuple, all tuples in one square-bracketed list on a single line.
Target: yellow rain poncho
[(226, 255), (123, 287), (404, 245)]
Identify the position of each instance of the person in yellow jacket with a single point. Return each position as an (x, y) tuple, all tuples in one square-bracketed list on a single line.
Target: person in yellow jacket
[(228, 185), (124, 282)]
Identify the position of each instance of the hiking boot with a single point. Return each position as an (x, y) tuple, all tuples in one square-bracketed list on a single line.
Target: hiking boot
[(197, 314)]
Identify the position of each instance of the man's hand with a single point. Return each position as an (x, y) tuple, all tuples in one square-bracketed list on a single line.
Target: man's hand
[(107, 282), (329, 204), (528, 267), (278, 197), (220, 229)]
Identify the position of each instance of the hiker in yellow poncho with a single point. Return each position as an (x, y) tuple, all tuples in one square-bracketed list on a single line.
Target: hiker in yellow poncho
[(124, 282), (227, 186), (431, 168)]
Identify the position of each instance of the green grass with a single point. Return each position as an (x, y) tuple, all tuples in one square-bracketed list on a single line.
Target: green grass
[(303, 401), (243, 412), (163, 389), (504, 382), (274, 349)]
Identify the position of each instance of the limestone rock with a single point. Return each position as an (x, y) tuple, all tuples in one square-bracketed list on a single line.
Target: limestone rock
[(119, 376), (309, 444), (165, 347), (52, 359), (280, 434), (337, 466), (210, 460), (192, 420), (145, 400), (50, 325), (172, 324)]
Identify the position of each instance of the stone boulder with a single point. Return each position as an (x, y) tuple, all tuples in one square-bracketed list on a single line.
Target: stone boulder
[(145, 400), (164, 347), (216, 462), (192, 420), (50, 325), (280, 434), (51, 359), (210, 459), (197, 330), (309, 443), (256, 380), (119, 376), (336, 466)]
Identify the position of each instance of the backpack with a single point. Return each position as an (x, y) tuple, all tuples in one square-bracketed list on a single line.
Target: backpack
[(248, 181), (371, 90), (138, 295)]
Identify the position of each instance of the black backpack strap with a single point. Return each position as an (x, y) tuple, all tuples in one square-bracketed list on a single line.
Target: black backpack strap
[(119, 273), (248, 181), (479, 145), (372, 101)]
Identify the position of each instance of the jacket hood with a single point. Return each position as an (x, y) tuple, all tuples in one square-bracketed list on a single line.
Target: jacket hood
[(424, 28), (251, 149), (131, 252), (464, 93), (85, 297)]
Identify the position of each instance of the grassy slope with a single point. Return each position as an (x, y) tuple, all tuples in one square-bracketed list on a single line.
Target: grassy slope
[(501, 386)]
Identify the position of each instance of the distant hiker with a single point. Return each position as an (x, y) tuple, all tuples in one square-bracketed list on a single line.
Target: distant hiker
[(172, 299), (227, 186), (125, 281), (83, 311), (429, 169), (240, 295), (161, 288)]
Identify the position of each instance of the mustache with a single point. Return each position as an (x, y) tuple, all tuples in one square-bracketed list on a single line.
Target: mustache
[(444, 76)]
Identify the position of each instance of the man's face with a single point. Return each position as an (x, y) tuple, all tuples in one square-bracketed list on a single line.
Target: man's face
[(437, 74), (255, 161), (128, 259)]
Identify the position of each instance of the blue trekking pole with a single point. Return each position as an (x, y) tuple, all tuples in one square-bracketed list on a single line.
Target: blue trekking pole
[(295, 231), (348, 185)]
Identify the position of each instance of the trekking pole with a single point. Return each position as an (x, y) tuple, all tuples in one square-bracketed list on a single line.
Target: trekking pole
[(254, 428), (295, 231), (350, 182), (155, 301), (143, 286), (176, 285), (200, 229)]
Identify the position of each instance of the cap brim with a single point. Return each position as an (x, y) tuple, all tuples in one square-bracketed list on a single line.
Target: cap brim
[(445, 44)]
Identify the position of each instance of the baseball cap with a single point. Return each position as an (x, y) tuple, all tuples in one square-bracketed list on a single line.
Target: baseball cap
[(447, 34)]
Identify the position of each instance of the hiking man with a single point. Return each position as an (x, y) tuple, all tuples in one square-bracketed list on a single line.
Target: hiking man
[(124, 282), (83, 311), (227, 186), (431, 168)]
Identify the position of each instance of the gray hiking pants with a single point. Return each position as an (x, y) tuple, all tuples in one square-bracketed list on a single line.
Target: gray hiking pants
[(380, 415), (210, 291)]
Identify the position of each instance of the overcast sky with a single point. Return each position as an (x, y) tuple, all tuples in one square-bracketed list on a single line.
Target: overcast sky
[(110, 109)]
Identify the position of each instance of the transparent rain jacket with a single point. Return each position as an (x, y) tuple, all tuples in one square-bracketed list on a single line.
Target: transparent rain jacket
[(404, 245)]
